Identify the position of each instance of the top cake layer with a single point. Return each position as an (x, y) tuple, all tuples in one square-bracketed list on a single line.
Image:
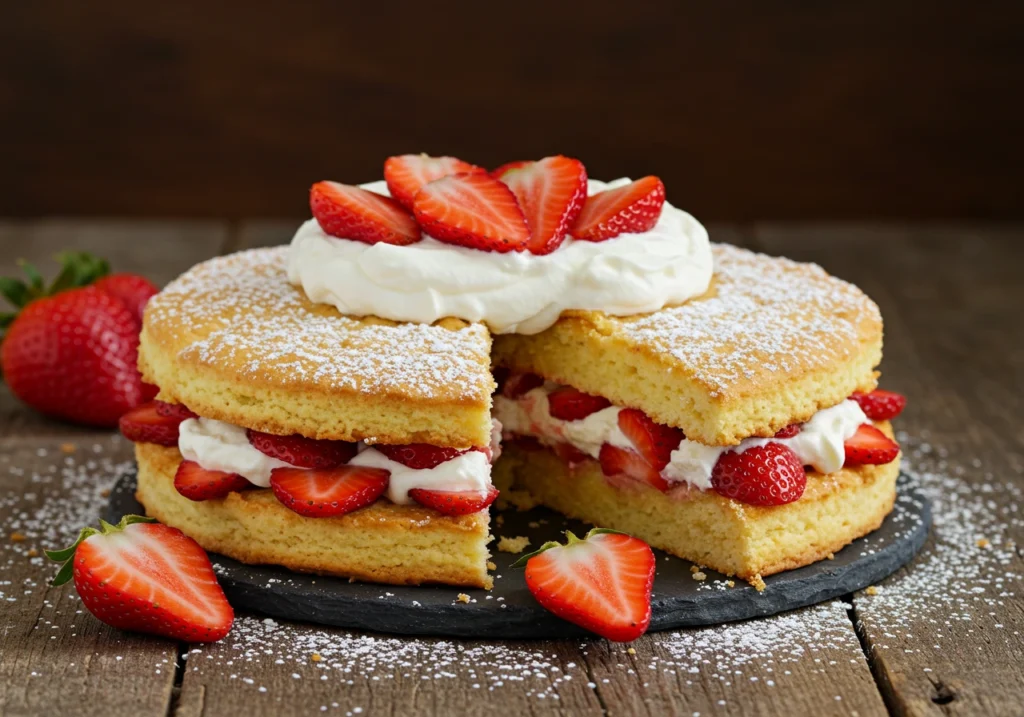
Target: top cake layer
[(770, 343), (233, 340)]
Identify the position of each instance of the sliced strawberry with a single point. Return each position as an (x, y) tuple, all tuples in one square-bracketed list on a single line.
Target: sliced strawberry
[(601, 583), (173, 410), (617, 461), (454, 502), (149, 392), (789, 431), (567, 404), (631, 209), (551, 193), (654, 441), (328, 492), (496, 173), (569, 453), (869, 446), (143, 576), (880, 405), (197, 483), (518, 384), (472, 210), (354, 213), (407, 174), (420, 455), (771, 474), (302, 452), (145, 425)]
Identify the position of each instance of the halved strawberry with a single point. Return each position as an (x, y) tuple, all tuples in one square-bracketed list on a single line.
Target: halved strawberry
[(420, 455), (567, 404), (496, 173), (789, 431), (302, 452), (631, 209), (551, 193), (517, 384), (869, 446), (145, 424), (771, 474), (601, 583), (454, 502), (143, 576), (617, 461), (354, 213), (173, 410), (654, 441), (472, 210), (197, 483), (880, 405), (327, 492), (407, 174)]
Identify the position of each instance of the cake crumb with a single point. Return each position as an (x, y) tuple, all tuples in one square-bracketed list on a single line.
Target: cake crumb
[(758, 582), (32, 552), (700, 576), (462, 597), (871, 590), (513, 545), (491, 565), (694, 569), (983, 543), (68, 448), (730, 583), (631, 651), (315, 657), (105, 492), (831, 556), (18, 538)]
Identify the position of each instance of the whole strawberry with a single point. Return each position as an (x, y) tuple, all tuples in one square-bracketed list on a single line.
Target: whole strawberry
[(71, 352)]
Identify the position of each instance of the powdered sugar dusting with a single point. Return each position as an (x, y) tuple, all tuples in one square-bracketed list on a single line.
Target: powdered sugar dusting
[(240, 310), (768, 315)]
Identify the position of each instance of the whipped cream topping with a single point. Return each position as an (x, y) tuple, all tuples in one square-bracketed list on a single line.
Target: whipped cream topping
[(819, 443), (469, 472), (515, 292), (219, 446)]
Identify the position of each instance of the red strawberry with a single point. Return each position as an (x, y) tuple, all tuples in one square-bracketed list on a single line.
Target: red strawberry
[(145, 424), (149, 392), (630, 209), (355, 213), (789, 431), (880, 405), (197, 483), (869, 446), (472, 210), (420, 455), (327, 492), (302, 452), (496, 173), (133, 290), (654, 441), (567, 404), (518, 384), (454, 502), (407, 174), (143, 576), (173, 410), (601, 583), (551, 193), (617, 461), (763, 475), (73, 356)]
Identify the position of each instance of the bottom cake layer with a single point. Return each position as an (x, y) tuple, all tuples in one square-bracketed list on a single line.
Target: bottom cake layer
[(750, 542), (382, 543)]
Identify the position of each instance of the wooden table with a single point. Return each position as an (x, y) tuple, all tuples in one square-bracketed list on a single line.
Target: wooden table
[(952, 298)]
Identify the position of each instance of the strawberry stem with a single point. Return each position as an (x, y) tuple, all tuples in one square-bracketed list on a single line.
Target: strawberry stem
[(66, 555), (570, 539)]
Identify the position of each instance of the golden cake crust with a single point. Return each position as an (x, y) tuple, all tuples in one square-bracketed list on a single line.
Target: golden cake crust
[(233, 340), (382, 543), (772, 342), (750, 542)]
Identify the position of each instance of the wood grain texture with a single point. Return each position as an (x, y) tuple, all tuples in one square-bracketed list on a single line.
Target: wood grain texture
[(748, 110), (951, 298)]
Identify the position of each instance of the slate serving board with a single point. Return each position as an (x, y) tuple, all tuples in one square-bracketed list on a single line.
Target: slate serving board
[(509, 611)]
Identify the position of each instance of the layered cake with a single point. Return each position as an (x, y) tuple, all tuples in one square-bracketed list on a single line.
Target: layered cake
[(337, 405)]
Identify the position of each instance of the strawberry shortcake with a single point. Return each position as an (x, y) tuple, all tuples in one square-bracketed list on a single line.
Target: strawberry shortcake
[(328, 406)]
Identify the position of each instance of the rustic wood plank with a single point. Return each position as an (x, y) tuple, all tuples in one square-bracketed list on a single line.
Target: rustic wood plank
[(945, 634), (55, 658), (156, 249)]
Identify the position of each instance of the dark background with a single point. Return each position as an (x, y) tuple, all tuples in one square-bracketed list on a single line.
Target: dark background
[(747, 110)]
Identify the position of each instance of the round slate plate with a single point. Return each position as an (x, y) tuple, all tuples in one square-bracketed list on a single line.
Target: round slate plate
[(509, 611)]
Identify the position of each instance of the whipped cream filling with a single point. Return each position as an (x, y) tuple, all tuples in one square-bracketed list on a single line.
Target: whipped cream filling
[(219, 446), (515, 292), (819, 443)]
